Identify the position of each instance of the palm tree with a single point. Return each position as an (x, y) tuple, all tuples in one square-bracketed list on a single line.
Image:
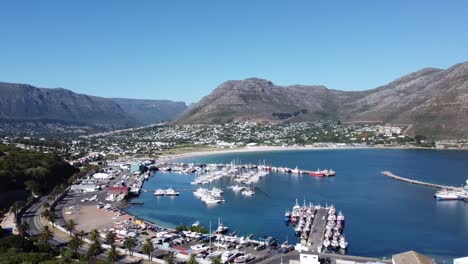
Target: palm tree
[(46, 235), (95, 249), (192, 259), (16, 207), (45, 213), (110, 237), (23, 229), (70, 226), (148, 248), (112, 255), (129, 244), (76, 242), (46, 204), (94, 235), (216, 261), (51, 219), (81, 233), (169, 258)]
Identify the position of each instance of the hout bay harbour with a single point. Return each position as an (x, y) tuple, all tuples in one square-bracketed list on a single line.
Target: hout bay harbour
[(383, 216)]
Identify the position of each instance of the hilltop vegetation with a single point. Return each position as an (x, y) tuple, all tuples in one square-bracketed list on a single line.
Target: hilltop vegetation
[(37, 172)]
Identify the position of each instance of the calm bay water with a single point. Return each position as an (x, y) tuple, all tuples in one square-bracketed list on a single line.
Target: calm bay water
[(383, 216)]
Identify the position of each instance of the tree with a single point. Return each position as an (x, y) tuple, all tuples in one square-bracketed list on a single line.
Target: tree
[(45, 213), (192, 259), (94, 235), (148, 248), (51, 219), (170, 258), (112, 255), (46, 235), (23, 229), (95, 249), (76, 242), (16, 207), (129, 244), (110, 237), (81, 233), (216, 261), (70, 226)]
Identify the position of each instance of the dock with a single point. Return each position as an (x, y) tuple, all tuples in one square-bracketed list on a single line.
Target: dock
[(315, 240), (426, 184)]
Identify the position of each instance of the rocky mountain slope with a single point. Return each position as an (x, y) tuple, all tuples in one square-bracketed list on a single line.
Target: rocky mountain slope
[(29, 103), (433, 102)]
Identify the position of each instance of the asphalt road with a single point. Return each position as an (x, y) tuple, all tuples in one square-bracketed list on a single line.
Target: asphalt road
[(32, 216)]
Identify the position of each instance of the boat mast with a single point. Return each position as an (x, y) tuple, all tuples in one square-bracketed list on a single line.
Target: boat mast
[(209, 237)]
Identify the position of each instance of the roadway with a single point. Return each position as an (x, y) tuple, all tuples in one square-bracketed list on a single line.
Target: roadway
[(32, 217)]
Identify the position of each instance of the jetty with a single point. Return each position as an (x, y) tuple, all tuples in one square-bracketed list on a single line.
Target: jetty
[(315, 240), (426, 184)]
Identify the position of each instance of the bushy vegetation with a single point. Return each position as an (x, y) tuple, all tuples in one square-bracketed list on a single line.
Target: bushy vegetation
[(198, 229), (38, 172)]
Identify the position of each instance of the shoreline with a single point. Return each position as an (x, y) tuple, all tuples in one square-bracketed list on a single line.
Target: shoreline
[(172, 157)]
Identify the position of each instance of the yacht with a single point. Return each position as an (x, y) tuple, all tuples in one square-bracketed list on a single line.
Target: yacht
[(221, 228), (171, 192), (237, 188), (248, 192), (334, 243), (343, 243), (446, 195), (159, 192), (212, 200), (295, 171)]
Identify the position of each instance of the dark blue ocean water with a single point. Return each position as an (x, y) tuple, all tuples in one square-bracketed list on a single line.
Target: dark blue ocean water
[(383, 216)]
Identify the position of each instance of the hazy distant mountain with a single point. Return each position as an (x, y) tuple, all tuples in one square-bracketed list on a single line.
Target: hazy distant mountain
[(433, 101), (29, 103), (151, 111)]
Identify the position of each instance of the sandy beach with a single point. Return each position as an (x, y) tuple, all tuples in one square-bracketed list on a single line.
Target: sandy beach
[(173, 157)]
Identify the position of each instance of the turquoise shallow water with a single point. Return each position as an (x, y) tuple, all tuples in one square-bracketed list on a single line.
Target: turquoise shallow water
[(383, 216)]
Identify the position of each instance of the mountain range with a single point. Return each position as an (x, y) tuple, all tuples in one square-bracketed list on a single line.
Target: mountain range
[(432, 102), (22, 102)]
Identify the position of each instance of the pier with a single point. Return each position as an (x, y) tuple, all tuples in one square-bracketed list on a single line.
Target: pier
[(315, 240), (426, 184)]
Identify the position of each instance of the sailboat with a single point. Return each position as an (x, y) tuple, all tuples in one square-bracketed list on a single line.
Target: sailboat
[(217, 253), (221, 228)]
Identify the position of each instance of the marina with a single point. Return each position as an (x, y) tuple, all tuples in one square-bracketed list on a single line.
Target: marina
[(235, 200)]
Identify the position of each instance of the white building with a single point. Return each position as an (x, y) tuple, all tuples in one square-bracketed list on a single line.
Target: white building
[(83, 188), (101, 176)]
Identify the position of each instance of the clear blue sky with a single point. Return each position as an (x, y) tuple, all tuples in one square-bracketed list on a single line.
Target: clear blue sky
[(181, 50)]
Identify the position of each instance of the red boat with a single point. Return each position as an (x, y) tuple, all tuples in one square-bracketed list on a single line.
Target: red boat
[(316, 173), (322, 173)]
